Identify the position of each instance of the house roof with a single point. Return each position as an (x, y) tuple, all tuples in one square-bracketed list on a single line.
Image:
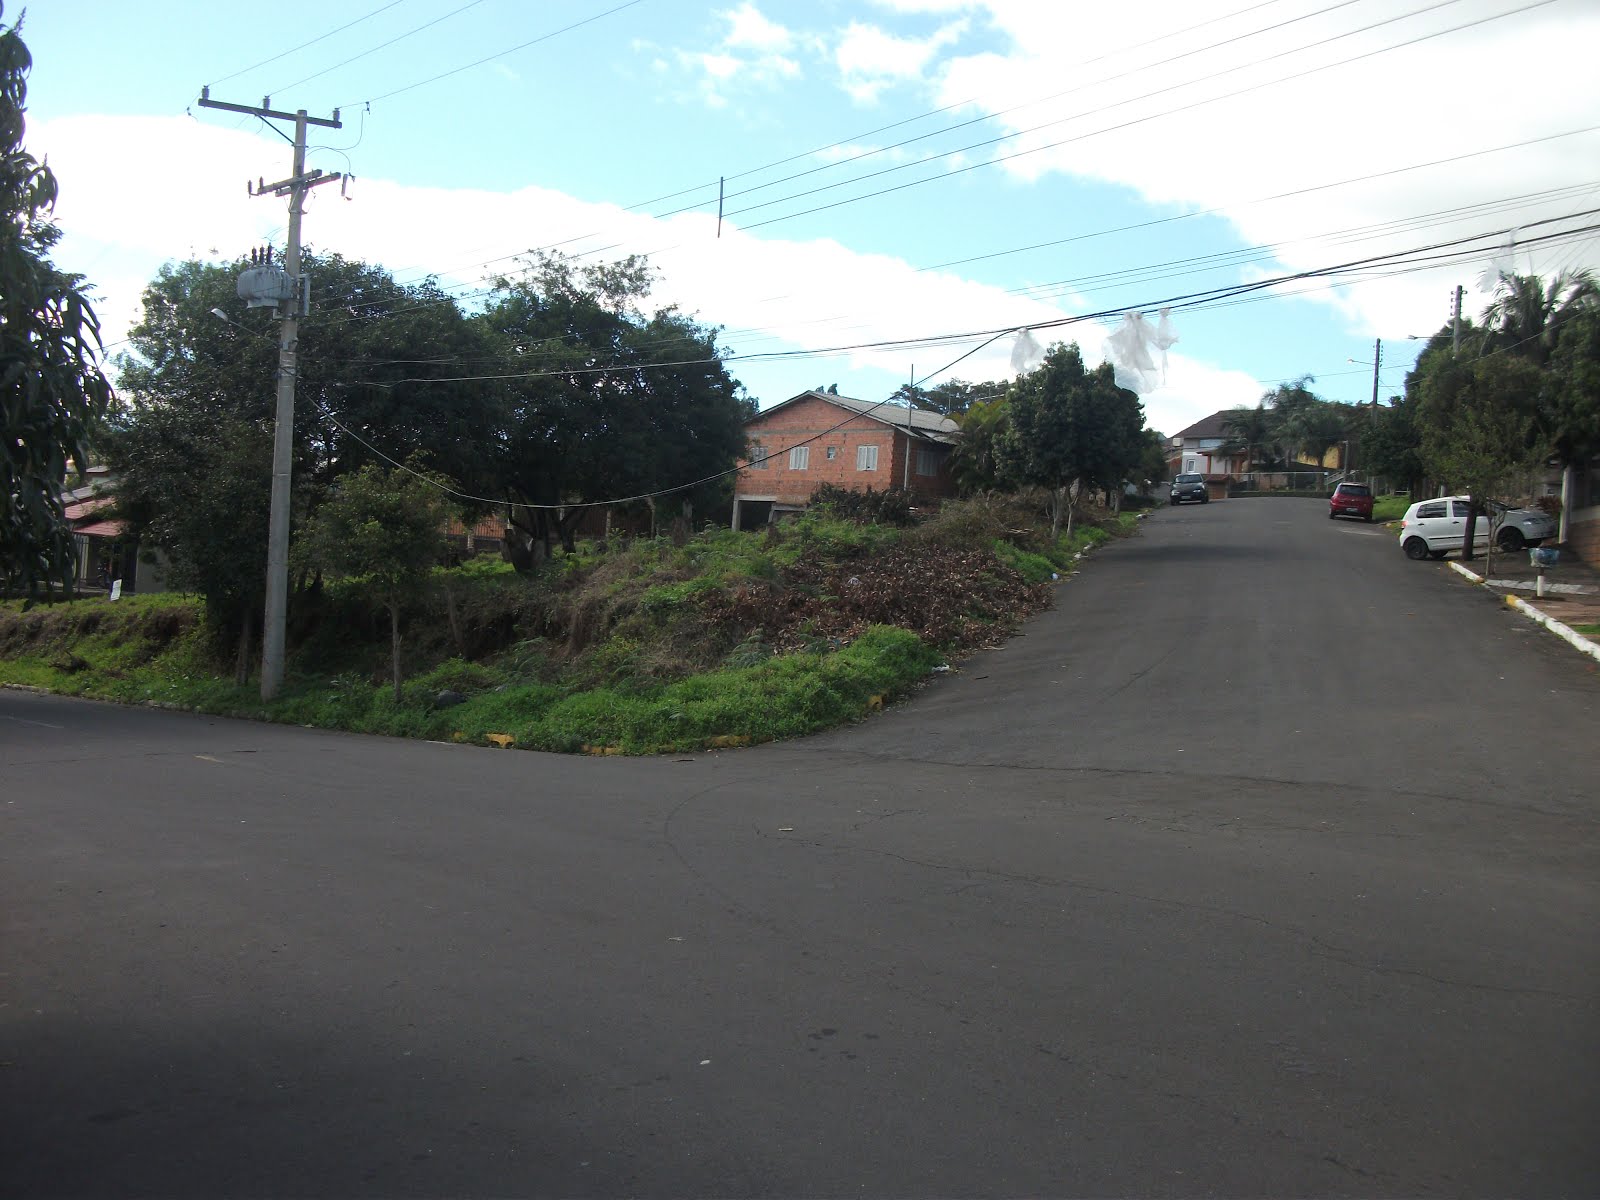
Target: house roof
[(1206, 427), (111, 529), (923, 424), (79, 509)]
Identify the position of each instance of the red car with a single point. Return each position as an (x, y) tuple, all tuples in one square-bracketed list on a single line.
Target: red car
[(1351, 500)]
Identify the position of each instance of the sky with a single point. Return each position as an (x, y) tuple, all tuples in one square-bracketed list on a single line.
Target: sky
[(902, 180)]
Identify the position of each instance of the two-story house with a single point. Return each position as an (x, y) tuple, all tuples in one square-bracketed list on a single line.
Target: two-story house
[(819, 437)]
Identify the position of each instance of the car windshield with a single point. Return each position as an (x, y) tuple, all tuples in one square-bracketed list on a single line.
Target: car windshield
[(1354, 489), (1189, 479)]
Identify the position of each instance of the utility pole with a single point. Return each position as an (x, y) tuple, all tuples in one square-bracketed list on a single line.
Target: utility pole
[(911, 388), (288, 310), (1455, 320)]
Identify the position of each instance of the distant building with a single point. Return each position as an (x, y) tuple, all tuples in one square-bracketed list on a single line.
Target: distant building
[(818, 437)]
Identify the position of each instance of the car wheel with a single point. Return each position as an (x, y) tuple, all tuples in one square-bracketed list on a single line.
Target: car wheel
[(1332, 514), (1416, 549), (1205, 499), (1368, 518), (1511, 540)]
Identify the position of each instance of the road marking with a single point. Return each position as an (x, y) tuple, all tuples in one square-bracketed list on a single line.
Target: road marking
[(208, 758), (40, 724)]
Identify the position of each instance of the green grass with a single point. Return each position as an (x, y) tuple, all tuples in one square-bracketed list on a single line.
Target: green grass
[(1390, 508), (607, 651), (777, 697), (1588, 631)]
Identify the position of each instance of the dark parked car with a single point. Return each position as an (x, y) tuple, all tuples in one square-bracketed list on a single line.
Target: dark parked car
[(1188, 487), (1351, 500)]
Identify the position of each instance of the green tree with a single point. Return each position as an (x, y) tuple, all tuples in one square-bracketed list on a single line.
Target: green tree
[(1389, 444), (51, 387), (950, 398), (389, 528), (976, 460), (1249, 431), (1152, 465), (201, 494), (1479, 422), (191, 447), (1527, 314), (607, 402), (1570, 395), (1068, 426)]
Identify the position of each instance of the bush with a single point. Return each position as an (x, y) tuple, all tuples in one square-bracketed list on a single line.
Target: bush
[(892, 506)]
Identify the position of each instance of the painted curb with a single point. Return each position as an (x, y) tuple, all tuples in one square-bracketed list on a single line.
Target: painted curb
[(1574, 639)]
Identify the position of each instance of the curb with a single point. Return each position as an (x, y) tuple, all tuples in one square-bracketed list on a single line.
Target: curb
[(1574, 639)]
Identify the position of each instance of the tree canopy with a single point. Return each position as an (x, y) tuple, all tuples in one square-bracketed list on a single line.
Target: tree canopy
[(1070, 426), (389, 527), (52, 389), (606, 401)]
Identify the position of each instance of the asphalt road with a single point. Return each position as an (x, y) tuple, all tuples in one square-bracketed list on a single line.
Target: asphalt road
[(1268, 863)]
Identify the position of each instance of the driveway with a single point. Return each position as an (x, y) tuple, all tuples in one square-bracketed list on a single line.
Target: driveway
[(1265, 864)]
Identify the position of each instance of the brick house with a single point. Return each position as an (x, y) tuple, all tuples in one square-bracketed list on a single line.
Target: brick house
[(818, 437)]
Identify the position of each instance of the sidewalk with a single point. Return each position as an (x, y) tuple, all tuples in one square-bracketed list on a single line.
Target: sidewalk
[(1571, 592)]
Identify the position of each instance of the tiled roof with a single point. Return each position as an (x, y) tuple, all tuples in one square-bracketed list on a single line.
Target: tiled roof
[(923, 423), (1206, 427)]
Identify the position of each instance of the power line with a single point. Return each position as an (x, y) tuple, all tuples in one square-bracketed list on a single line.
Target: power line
[(877, 150), (1321, 187), (934, 112), (1340, 4), (500, 53), (304, 45), (1112, 128), (1194, 302), (1194, 299), (381, 46), (1145, 273), (472, 291)]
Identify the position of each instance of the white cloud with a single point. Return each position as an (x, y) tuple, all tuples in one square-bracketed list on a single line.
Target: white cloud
[(871, 59), (719, 66), (750, 54), (770, 294), (1190, 147), (748, 29)]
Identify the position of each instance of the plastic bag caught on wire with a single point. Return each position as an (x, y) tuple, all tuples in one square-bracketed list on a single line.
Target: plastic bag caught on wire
[(1138, 351), (1026, 353), (1503, 264)]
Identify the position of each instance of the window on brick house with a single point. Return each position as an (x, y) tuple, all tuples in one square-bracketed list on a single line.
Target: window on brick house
[(758, 457), (799, 458), (833, 453), (927, 462), (866, 458)]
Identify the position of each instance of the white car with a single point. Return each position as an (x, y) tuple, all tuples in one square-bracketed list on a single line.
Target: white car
[(1433, 528)]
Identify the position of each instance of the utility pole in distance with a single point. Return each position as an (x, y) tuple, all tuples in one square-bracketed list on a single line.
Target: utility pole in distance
[(288, 310)]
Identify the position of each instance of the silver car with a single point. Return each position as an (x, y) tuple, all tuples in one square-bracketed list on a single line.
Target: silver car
[(1433, 528)]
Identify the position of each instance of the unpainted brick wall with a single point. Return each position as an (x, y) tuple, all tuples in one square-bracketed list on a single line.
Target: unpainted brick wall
[(806, 419)]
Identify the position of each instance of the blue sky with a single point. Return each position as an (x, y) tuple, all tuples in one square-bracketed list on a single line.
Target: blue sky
[(1227, 134)]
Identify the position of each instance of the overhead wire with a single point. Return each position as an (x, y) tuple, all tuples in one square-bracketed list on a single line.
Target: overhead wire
[(996, 161), (993, 141), (381, 46), (1195, 301), (934, 112), (305, 45), (877, 150), (498, 54)]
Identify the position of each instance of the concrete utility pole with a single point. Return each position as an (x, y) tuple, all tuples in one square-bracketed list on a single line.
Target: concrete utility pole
[(1455, 320), (295, 187), (911, 388)]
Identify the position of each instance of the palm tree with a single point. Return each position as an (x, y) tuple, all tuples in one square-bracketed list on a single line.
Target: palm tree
[(1526, 315), (1247, 429)]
